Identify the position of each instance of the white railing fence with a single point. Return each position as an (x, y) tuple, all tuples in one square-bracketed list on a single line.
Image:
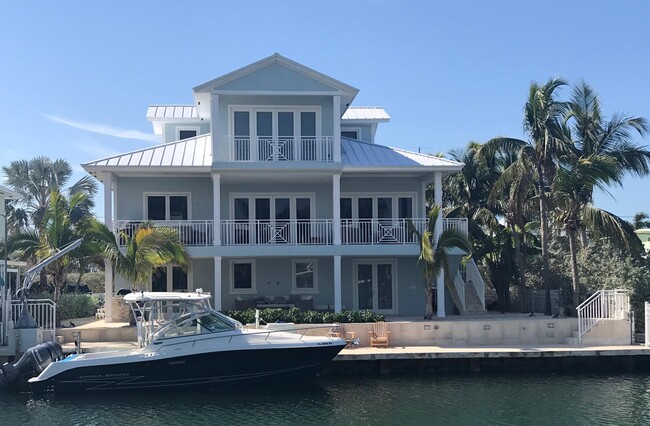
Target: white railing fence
[(190, 232), (455, 223), (292, 231), (282, 148), (263, 232), (600, 306), (42, 310)]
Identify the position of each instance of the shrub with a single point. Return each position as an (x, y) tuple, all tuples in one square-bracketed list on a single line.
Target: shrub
[(298, 316), (77, 306)]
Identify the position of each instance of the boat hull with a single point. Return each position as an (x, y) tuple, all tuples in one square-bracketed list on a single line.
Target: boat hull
[(210, 370)]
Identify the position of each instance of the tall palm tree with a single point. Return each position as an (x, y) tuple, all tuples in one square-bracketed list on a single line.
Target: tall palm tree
[(543, 115), (433, 256), (143, 250), (35, 179)]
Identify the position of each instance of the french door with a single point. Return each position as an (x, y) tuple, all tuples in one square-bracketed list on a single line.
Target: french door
[(376, 285)]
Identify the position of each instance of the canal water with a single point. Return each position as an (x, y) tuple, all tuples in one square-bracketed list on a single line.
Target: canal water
[(396, 400)]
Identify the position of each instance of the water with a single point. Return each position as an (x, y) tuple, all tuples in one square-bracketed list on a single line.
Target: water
[(404, 400)]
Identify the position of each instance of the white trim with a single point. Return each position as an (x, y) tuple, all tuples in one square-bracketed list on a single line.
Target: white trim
[(374, 262), (167, 195), (352, 129), (232, 289), (274, 109), (197, 129), (314, 288)]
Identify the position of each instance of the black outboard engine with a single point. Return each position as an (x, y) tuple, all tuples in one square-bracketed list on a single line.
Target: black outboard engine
[(33, 362)]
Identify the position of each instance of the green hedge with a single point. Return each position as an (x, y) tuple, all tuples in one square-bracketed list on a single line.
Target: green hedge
[(72, 305), (299, 316)]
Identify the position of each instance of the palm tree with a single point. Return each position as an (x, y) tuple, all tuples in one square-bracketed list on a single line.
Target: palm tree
[(61, 224), (144, 250), (602, 153), (433, 255), (35, 179), (543, 115), (641, 220)]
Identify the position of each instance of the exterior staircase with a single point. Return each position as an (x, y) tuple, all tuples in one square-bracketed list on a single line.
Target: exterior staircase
[(473, 304), (604, 319)]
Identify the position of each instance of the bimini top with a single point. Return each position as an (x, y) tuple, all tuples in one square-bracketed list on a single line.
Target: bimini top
[(145, 296)]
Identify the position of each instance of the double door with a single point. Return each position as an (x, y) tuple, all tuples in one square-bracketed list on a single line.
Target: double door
[(376, 285), (272, 220)]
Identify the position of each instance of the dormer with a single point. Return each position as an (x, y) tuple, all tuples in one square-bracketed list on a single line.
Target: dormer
[(275, 110)]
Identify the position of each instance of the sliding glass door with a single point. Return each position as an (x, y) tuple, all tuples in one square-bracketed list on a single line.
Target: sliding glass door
[(376, 285)]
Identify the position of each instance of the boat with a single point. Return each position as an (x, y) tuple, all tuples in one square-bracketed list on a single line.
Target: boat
[(184, 343)]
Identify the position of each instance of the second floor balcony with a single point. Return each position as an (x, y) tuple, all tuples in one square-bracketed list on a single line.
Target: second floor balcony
[(200, 233), (310, 149)]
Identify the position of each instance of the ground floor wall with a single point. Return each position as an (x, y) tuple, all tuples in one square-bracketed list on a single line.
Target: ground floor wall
[(273, 282)]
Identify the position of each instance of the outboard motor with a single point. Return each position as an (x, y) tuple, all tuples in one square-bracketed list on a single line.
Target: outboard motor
[(32, 362)]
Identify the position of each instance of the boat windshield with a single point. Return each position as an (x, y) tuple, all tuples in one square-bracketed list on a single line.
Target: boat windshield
[(194, 324)]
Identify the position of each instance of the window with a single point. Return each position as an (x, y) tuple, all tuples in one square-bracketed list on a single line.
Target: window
[(170, 278), (350, 134), (167, 207), (242, 273), (186, 132), (305, 276)]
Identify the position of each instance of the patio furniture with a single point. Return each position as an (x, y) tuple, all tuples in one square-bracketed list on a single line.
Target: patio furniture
[(379, 335), (349, 336)]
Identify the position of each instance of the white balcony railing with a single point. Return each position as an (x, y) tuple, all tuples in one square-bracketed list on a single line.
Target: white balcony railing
[(264, 232), (284, 148), (293, 232), (190, 232)]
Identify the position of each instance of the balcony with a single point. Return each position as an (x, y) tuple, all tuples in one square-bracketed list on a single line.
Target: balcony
[(317, 149), (199, 233)]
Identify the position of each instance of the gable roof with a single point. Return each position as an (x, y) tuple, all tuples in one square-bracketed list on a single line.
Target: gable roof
[(193, 154)]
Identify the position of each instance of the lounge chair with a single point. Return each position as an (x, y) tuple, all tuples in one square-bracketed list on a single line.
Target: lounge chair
[(379, 335)]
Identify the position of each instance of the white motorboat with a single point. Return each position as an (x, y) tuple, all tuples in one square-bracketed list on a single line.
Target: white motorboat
[(184, 343)]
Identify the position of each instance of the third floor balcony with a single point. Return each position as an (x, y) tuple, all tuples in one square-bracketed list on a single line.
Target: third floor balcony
[(310, 149)]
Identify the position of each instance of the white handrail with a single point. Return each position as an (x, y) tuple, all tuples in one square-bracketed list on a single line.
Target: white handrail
[(190, 232), (280, 149), (474, 276), (600, 306), (42, 310), (459, 284)]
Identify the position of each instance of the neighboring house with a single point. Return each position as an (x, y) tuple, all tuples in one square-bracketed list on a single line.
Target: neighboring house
[(644, 236), (281, 196), (5, 194)]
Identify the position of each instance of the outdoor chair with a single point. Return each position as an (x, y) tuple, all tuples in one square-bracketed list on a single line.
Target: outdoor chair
[(379, 335), (338, 330)]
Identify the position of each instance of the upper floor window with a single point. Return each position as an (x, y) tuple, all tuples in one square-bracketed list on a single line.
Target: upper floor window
[(350, 134), (367, 207), (275, 134), (167, 206), (186, 132)]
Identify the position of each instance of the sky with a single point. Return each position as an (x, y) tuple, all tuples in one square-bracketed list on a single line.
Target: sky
[(76, 77)]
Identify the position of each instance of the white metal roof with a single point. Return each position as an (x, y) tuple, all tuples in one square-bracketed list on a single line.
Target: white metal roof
[(195, 152), (362, 154), (159, 112), (9, 194), (366, 113)]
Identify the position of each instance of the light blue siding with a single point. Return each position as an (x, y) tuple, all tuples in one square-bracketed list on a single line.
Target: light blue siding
[(276, 77), (365, 130), (381, 185), (130, 195), (170, 129)]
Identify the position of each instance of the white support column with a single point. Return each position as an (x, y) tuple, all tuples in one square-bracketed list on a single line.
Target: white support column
[(108, 267), (337, 128), (441, 277), (336, 208), (217, 283), (217, 147), (216, 208), (337, 283)]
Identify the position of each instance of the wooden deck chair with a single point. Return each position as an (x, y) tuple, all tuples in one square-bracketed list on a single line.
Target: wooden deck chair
[(379, 335)]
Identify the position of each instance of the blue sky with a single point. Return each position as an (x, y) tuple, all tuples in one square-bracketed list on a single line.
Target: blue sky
[(76, 77)]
